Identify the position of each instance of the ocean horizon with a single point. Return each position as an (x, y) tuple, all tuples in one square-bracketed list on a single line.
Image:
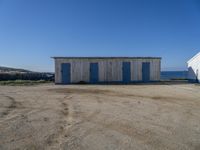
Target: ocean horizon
[(170, 75)]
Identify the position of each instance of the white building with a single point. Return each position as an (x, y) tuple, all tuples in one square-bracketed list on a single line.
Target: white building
[(194, 68)]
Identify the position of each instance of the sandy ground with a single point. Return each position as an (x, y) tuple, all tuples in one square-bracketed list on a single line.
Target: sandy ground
[(100, 117)]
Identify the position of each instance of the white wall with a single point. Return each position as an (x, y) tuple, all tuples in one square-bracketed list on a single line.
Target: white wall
[(194, 68)]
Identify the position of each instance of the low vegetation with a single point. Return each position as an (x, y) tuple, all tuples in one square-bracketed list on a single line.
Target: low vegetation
[(23, 82)]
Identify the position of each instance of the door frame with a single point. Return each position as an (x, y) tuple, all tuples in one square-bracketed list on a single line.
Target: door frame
[(146, 69), (94, 72), (126, 72), (66, 73)]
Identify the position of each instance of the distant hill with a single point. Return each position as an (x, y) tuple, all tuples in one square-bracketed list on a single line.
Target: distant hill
[(13, 70), (7, 74)]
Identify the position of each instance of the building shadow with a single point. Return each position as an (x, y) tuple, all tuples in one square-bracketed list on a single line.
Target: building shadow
[(192, 75), (169, 82)]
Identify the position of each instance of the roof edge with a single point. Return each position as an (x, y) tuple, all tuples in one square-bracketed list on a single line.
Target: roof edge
[(195, 56), (107, 57)]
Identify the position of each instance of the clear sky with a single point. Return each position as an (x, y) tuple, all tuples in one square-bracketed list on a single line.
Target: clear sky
[(31, 31)]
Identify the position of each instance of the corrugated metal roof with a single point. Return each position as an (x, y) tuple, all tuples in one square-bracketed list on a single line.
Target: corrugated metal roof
[(107, 57)]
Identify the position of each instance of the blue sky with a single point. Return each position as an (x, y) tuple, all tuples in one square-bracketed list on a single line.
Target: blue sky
[(31, 31)]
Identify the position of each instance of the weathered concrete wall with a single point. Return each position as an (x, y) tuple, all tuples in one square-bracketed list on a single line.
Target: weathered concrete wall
[(109, 69)]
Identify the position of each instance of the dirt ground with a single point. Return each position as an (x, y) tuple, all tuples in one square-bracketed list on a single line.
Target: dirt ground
[(100, 117)]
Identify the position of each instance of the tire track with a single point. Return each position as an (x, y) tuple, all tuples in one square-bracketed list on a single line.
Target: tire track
[(11, 106)]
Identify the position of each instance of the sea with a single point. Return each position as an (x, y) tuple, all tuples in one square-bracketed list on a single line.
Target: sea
[(173, 75)]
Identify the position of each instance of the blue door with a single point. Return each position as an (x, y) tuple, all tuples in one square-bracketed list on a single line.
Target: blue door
[(66, 77), (146, 72), (126, 72), (94, 72)]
